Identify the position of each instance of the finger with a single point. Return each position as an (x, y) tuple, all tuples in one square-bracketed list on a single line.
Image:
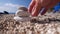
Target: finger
[(31, 6), (52, 4), (49, 6), (36, 9)]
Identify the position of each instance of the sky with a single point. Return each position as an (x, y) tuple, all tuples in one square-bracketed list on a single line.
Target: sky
[(12, 5)]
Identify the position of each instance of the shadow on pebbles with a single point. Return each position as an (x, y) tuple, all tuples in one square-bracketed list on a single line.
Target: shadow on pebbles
[(47, 24)]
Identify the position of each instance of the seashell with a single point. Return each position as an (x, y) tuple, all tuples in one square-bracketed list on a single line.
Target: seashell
[(22, 11), (22, 18), (22, 14)]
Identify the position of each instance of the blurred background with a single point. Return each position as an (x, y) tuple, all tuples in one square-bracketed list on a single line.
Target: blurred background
[(11, 6)]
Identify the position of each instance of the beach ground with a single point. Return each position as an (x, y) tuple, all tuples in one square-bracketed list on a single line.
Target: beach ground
[(48, 24)]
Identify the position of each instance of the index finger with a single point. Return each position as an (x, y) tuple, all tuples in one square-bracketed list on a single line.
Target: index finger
[(36, 9), (31, 6)]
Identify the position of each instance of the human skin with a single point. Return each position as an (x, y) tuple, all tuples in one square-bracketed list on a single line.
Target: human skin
[(36, 6)]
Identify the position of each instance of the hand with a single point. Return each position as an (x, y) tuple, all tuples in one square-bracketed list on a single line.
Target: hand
[(36, 6)]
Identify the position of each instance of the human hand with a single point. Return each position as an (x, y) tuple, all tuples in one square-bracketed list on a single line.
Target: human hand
[(36, 6)]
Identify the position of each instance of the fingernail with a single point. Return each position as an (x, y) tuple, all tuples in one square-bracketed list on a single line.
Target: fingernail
[(43, 11)]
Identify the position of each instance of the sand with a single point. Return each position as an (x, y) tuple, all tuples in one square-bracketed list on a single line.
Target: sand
[(47, 24)]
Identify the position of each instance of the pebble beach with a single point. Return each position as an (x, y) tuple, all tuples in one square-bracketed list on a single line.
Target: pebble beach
[(47, 24)]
